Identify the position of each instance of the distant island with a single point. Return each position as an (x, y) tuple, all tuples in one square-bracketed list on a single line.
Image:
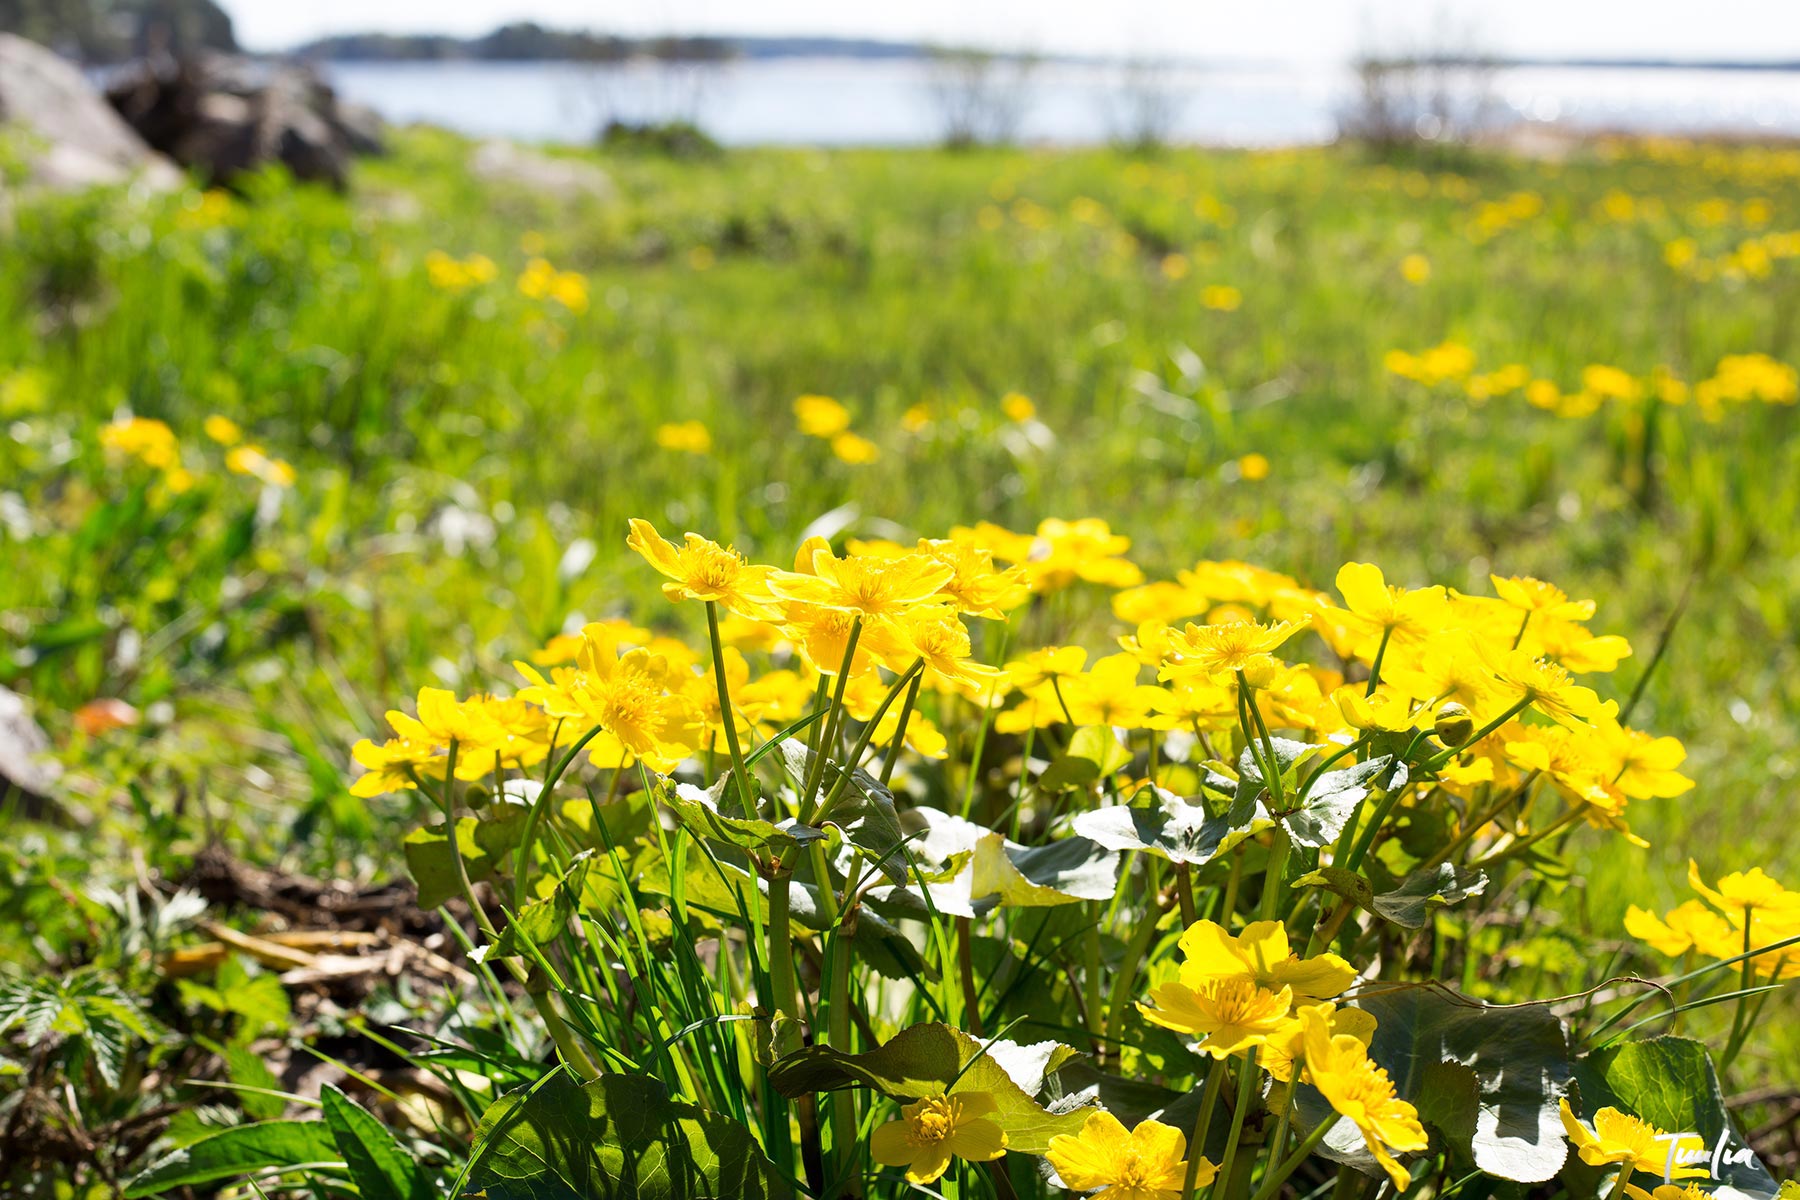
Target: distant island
[(527, 41)]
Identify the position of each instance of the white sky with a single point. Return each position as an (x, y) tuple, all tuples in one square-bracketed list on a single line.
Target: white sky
[(1247, 29)]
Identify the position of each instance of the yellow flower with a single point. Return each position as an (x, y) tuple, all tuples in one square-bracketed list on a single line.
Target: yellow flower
[(1641, 766), (1381, 610), (1744, 891), (1618, 1138), (1146, 1163), (873, 587), (1253, 468), (250, 460), (942, 645), (1535, 597), (1338, 1065), (1261, 955), (391, 766), (1221, 297), (1415, 269), (1549, 689), (1388, 708), (1088, 549), (1109, 694), (1048, 665), (823, 637), (149, 441), (703, 570), (933, 1130), (1162, 601), (691, 437), (629, 696), (1283, 1051), (1668, 1191), (1230, 1015), (222, 430), (976, 587), (855, 449), (1216, 650), (1017, 407), (1688, 926), (821, 416)]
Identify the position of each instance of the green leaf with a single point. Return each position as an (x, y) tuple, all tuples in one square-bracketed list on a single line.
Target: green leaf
[(718, 815), (484, 845), (1427, 890), (540, 922), (933, 1060), (994, 871), (619, 1136), (1160, 822), (379, 1165), (1435, 1045), (1670, 1082), (1333, 798), (865, 812), (1344, 882), (232, 1153)]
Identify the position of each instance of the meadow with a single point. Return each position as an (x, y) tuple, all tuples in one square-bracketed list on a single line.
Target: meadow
[(403, 434)]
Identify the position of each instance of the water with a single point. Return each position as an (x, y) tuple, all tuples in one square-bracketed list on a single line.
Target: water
[(891, 102)]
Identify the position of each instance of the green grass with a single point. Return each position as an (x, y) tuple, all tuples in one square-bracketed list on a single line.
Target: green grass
[(452, 444)]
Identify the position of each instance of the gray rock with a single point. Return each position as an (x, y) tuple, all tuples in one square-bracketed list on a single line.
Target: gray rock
[(71, 139)]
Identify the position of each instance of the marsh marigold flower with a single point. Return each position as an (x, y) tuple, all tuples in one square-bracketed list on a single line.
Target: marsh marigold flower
[(1216, 650), (1339, 1066), (1230, 1015), (1146, 1163), (933, 1130), (704, 570), (1617, 1138), (1261, 955), (871, 587), (821, 416)]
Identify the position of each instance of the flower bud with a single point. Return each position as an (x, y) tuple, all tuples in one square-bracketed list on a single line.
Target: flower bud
[(1454, 725)]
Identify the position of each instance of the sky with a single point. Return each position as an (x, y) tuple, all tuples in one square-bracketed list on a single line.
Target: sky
[(1265, 30)]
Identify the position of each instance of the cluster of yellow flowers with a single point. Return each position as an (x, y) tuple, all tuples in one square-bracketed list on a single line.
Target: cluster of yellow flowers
[(1494, 217), (1738, 379), (1751, 258), (154, 444), (824, 418), (451, 274), (541, 281), (1747, 909)]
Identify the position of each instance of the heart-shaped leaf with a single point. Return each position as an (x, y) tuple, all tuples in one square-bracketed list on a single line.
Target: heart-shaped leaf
[(717, 814), (1334, 796), (1515, 1057), (1670, 1082), (1159, 822)]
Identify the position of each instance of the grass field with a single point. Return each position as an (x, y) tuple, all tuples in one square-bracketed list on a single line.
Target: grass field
[(1296, 358)]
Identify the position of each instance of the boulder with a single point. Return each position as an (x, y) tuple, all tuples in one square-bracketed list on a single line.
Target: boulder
[(505, 162), (223, 116), (68, 135)]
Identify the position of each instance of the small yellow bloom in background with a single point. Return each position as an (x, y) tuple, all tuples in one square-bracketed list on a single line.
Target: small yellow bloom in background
[(531, 243), (149, 441), (855, 449), (1617, 1138), (1175, 266), (1253, 467), (1339, 1066), (692, 437), (1017, 406), (916, 419), (820, 416), (1415, 269), (935, 1129), (250, 460), (1221, 297), (1146, 1163), (701, 258), (223, 430)]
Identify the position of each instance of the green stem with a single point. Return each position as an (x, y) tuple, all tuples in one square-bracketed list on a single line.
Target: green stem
[(521, 859), (965, 969), (844, 1144), (1248, 1076), (1380, 653), (781, 958), (899, 742), (1135, 953), (1209, 1100), (1184, 893), (815, 774), (727, 714), (1277, 1176), (1275, 878), (1092, 982)]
